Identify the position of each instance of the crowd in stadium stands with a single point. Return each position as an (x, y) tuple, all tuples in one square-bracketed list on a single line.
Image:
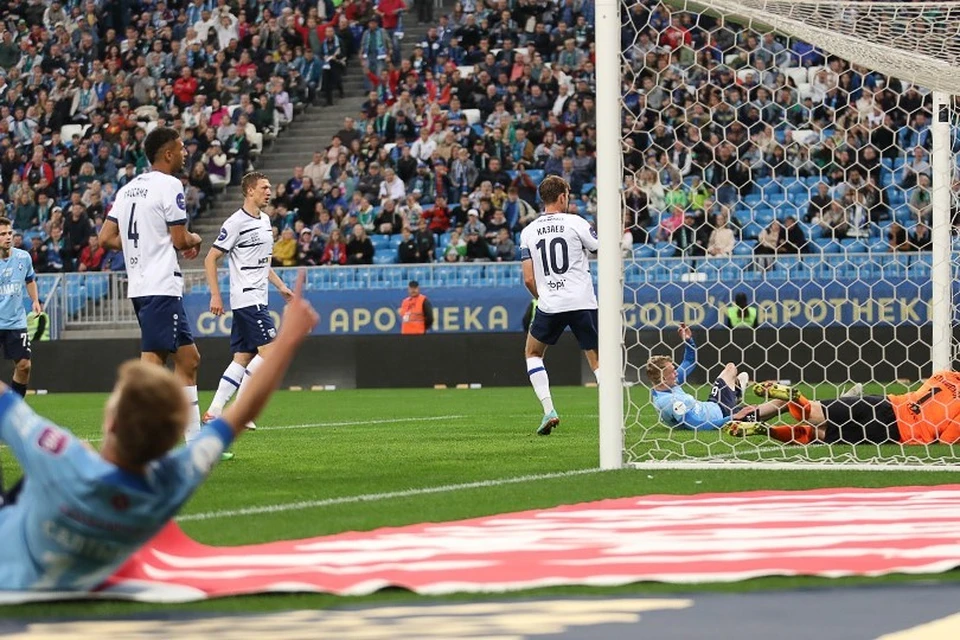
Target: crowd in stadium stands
[(745, 143), (443, 161), (735, 143), (83, 81)]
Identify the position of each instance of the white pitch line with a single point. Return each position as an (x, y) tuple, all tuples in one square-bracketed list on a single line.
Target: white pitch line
[(374, 497), (319, 425)]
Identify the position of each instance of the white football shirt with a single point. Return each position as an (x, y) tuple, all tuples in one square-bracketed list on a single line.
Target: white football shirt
[(144, 209), (248, 242), (558, 243)]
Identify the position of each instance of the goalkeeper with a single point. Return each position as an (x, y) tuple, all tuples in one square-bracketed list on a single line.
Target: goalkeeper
[(925, 416), (677, 408)]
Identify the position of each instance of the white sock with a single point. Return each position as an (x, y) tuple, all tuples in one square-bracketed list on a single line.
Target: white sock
[(596, 373), (541, 383), (229, 383), (248, 373), (193, 412)]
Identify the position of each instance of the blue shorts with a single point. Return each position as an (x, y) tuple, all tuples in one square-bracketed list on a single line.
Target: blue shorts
[(547, 327), (252, 328), (723, 395), (163, 323), (15, 343)]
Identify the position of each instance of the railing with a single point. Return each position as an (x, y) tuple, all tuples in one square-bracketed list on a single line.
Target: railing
[(98, 300)]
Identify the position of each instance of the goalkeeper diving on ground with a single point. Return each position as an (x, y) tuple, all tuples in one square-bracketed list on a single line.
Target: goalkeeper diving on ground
[(926, 416)]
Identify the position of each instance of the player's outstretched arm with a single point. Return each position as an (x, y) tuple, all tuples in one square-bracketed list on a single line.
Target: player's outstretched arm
[(110, 235), (210, 271), (689, 354), (299, 319)]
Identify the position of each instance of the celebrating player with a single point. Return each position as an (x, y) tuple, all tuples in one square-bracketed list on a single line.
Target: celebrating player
[(81, 514), (247, 238), (679, 409), (925, 416), (556, 271), (17, 272), (148, 222)]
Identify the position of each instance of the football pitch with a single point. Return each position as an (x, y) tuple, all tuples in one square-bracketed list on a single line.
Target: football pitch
[(328, 462)]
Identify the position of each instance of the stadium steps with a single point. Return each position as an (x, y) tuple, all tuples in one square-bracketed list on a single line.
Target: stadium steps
[(310, 131)]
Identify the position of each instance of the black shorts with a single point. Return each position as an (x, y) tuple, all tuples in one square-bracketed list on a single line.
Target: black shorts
[(724, 396), (548, 327), (15, 344), (163, 323), (853, 420)]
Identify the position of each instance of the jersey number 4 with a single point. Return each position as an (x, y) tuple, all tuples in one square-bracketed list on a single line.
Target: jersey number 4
[(549, 257), (132, 227)]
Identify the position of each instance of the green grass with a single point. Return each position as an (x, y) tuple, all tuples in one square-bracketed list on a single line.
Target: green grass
[(403, 445)]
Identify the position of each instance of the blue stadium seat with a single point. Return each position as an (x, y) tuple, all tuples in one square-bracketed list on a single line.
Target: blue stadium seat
[(751, 230), (385, 256), (471, 275), (643, 251), (744, 248)]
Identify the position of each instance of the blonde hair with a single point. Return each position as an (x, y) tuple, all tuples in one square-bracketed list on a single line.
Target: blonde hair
[(655, 368), (149, 412)]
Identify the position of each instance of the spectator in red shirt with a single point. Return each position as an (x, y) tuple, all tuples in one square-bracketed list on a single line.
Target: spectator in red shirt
[(438, 218), (185, 87), (91, 258), (389, 12)]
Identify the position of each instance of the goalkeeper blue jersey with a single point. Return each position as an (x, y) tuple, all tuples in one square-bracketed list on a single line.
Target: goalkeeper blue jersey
[(679, 409), (79, 517)]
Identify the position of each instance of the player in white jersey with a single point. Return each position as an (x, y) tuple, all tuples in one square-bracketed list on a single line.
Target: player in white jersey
[(554, 249), (148, 221), (246, 238)]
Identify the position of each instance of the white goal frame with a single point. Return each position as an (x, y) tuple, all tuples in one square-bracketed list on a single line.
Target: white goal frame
[(610, 263)]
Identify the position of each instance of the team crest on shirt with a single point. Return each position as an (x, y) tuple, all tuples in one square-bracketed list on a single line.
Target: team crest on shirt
[(593, 232), (181, 202), (272, 333), (52, 441), (223, 234)]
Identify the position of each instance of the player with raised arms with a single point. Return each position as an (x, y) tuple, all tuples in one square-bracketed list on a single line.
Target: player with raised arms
[(246, 238), (81, 513), (16, 273), (554, 250), (679, 409), (148, 222)]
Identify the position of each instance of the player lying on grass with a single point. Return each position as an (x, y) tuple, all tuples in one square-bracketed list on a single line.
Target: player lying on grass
[(677, 408), (928, 415), (81, 514)]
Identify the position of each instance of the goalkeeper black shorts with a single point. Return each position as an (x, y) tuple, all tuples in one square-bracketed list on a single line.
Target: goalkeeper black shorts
[(857, 420)]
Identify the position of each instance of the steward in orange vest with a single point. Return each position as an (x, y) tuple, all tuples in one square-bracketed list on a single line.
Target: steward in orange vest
[(416, 312)]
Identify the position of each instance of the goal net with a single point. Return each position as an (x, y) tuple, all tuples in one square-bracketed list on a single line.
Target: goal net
[(787, 184)]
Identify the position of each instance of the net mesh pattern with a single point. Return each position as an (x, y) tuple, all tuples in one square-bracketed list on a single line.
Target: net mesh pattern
[(779, 152)]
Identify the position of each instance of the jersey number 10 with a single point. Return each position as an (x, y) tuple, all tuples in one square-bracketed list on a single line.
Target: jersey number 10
[(132, 227), (551, 261)]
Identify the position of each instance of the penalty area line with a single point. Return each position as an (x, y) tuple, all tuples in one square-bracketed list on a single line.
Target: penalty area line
[(374, 497)]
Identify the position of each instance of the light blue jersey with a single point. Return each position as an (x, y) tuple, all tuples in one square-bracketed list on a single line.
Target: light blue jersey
[(79, 517), (15, 272), (680, 410)]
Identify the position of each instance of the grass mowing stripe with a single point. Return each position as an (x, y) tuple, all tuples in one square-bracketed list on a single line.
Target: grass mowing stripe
[(359, 423), (373, 497)]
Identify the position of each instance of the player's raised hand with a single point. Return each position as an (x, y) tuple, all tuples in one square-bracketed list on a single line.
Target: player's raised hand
[(216, 305), (685, 332), (299, 316)]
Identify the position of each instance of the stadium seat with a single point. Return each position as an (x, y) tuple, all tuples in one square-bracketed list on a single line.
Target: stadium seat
[(744, 248), (385, 256)]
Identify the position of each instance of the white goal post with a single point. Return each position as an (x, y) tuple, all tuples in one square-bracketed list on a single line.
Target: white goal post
[(916, 43)]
